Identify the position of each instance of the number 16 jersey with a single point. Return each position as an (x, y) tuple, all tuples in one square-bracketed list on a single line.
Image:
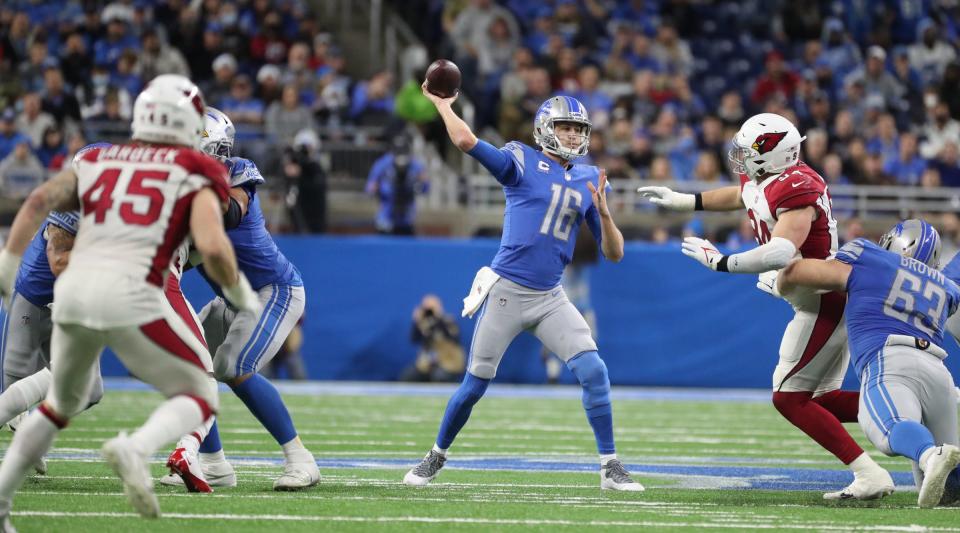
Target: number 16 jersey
[(135, 205)]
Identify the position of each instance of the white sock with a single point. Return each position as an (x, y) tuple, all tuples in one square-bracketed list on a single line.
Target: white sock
[(925, 456), (604, 458), (171, 420), (863, 464), (215, 457), (191, 441), (24, 394), (441, 451), (295, 452), (32, 441)]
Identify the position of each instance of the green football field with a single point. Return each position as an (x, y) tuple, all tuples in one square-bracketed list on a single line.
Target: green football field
[(711, 460)]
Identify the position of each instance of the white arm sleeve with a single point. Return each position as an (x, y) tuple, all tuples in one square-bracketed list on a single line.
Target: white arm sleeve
[(774, 255)]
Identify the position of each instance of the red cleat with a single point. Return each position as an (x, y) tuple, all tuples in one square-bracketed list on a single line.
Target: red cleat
[(182, 464)]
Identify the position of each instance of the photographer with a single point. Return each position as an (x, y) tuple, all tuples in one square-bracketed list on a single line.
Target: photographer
[(440, 356), (306, 196), (395, 179)]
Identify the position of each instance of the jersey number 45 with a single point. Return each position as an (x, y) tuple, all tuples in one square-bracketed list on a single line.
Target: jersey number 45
[(99, 199)]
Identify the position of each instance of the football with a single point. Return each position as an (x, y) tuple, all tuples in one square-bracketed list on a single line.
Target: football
[(443, 78)]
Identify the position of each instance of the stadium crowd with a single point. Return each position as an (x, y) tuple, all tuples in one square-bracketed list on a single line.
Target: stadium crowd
[(872, 84)]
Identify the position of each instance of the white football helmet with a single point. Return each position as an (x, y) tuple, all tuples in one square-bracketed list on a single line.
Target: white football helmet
[(766, 145), (170, 111), (218, 133)]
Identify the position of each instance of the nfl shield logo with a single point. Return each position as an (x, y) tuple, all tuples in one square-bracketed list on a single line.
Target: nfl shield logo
[(503, 302)]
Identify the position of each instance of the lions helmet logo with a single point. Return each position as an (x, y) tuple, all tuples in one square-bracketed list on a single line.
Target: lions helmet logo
[(768, 141)]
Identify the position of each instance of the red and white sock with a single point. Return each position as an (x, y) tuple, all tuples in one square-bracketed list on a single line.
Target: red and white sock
[(191, 441), (171, 420)]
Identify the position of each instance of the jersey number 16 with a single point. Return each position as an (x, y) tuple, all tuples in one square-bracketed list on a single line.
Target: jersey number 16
[(572, 199)]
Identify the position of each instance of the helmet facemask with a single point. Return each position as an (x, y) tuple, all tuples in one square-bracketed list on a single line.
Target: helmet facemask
[(554, 112)]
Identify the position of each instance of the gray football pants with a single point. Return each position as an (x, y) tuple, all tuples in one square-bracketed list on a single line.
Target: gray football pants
[(906, 383), (511, 308)]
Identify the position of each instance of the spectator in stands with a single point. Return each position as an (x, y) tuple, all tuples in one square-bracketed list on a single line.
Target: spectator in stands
[(947, 164), (241, 105), (907, 167), (660, 169), (33, 120), (513, 83), (20, 172), (589, 94), (106, 51), (885, 140), (776, 79), (268, 84), (907, 76), (371, 102), (31, 71), (440, 357), (930, 178), (841, 55), (877, 79), (76, 63), (57, 100), (200, 58), (19, 33), (731, 111), (931, 54), (470, 32), (224, 68), (158, 57), (833, 170), (286, 117), (297, 71), (671, 51), (947, 89), (269, 44), (711, 138), (126, 76), (51, 147), (75, 142), (688, 106), (332, 90), (496, 51), (112, 113), (815, 149), (639, 103), (939, 130), (395, 179), (9, 136), (708, 168)]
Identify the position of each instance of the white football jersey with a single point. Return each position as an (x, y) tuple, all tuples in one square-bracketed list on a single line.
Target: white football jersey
[(135, 213)]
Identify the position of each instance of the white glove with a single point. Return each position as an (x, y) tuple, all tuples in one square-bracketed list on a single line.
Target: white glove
[(241, 295), (702, 250), (664, 197), (9, 264), (767, 282)]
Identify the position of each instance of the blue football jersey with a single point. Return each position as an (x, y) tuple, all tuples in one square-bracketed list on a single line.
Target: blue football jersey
[(892, 294), (546, 203), (257, 255), (34, 278)]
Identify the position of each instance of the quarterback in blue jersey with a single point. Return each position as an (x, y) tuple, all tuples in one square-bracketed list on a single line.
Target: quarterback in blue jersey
[(242, 343), (548, 196), (897, 305)]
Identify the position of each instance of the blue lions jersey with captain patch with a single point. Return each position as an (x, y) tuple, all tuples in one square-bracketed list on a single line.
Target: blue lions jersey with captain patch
[(546, 203), (257, 255), (892, 294), (34, 278)]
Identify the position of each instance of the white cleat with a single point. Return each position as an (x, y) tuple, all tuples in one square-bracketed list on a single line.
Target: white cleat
[(943, 460), (40, 467), (132, 469), (870, 486), (424, 472), (613, 476), (297, 476), (6, 526)]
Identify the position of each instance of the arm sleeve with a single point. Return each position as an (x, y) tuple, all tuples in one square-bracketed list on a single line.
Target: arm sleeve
[(593, 222), (773, 255), (850, 252), (506, 165)]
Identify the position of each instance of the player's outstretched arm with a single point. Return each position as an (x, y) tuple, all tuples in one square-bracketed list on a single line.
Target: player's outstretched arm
[(59, 245), (458, 130), (814, 274), (722, 199), (219, 259), (611, 240), (59, 193)]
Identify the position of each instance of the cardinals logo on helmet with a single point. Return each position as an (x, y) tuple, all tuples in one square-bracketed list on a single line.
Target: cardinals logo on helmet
[(768, 141)]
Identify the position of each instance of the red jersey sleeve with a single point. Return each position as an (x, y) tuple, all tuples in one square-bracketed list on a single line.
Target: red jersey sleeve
[(201, 164), (798, 186)]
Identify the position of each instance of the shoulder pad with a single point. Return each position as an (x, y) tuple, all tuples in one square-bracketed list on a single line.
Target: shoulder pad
[(517, 152), (850, 252), (243, 171), (65, 220), (798, 186)]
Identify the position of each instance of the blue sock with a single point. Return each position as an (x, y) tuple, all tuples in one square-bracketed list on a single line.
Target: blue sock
[(591, 372), (910, 439), (459, 407), (211, 444), (263, 400)]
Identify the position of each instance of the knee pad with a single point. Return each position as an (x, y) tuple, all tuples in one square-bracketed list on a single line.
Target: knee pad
[(591, 372)]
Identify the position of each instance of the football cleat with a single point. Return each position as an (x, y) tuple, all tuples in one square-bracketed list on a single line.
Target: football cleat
[(614, 476), (217, 474), (939, 466), (186, 466), (40, 467), (870, 486), (424, 472), (297, 476), (133, 471)]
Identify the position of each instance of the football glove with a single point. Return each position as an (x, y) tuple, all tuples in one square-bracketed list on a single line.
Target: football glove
[(703, 251), (241, 295), (667, 199), (767, 282)]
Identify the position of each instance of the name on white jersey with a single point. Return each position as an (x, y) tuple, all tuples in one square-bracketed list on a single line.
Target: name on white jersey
[(140, 154)]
